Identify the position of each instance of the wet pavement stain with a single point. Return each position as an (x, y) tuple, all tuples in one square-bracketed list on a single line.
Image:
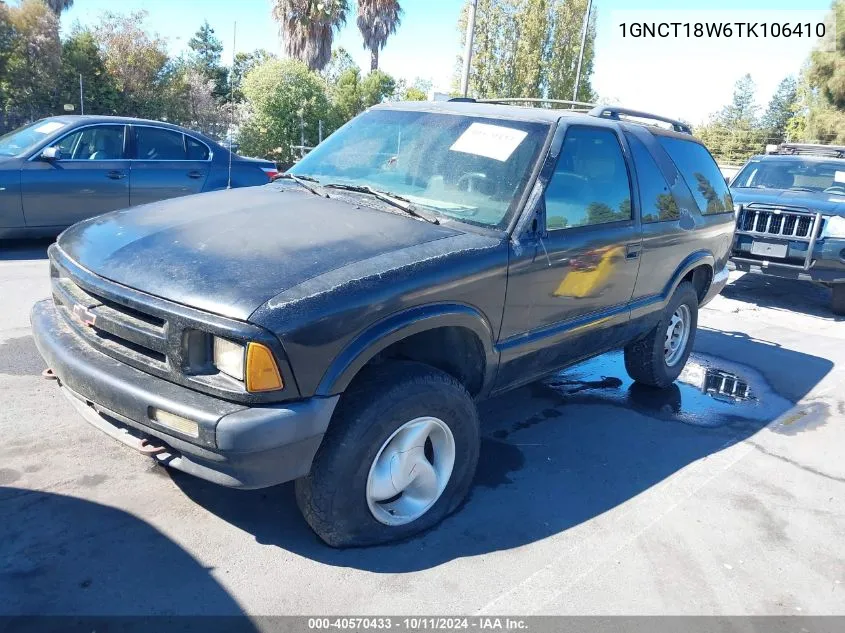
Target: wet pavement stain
[(496, 461), (710, 392)]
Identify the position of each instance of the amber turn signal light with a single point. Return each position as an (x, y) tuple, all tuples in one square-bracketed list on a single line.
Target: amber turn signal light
[(262, 373)]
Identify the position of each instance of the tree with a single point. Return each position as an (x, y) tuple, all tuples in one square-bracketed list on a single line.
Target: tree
[(81, 56), (282, 95), (307, 28), (417, 90), (59, 6), (136, 60), (529, 48), (205, 56), (742, 111), (823, 101), (32, 59), (243, 63), (377, 20), (376, 87), (780, 110), (346, 96), (340, 62)]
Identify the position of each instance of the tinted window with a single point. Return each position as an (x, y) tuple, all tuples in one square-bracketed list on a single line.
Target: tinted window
[(656, 200), (18, 141), (103, 142), (159, 144), (196, 150), (701, 174), (590, 184)]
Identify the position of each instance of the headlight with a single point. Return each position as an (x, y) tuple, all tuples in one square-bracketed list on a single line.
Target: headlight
[(253, 364), (229, 357), (834, 227)]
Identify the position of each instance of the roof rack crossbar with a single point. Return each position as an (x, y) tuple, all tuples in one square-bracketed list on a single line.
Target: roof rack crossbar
[(833, 151), (613, 112)]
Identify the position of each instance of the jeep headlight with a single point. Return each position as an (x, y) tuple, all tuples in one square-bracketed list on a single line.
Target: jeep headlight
[(253, 364), (834, 227)]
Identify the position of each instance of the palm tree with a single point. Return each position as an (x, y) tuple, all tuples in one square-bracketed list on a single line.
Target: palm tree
[(59, 6), (377, 20), (307, 28)]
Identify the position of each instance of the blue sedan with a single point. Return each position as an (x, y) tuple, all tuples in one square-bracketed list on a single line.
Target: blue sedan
[(58, 171)]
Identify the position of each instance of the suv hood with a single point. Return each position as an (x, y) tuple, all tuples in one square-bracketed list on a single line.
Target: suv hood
[(826, 203), (228, 252)]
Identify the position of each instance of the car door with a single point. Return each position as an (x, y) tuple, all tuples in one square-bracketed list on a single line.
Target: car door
[(568, 294), (88, 176), (167, 164)]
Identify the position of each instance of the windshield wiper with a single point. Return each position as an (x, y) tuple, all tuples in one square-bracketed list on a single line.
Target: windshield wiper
[(392, 199), (301, 181), (803, 189)]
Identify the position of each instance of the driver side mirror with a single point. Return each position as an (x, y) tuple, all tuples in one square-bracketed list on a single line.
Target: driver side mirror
[(50, 154)]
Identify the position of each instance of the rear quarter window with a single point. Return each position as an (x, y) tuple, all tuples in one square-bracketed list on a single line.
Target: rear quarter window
[(701, 174), (656, 200)]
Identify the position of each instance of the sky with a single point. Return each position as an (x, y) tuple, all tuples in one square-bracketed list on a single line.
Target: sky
[(681, 78)]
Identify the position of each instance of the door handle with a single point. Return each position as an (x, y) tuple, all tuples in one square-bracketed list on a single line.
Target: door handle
[(116, 174), (195, 174), (632, 251)]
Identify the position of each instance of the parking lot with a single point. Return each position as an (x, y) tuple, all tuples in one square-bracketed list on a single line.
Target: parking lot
[(722, 495)]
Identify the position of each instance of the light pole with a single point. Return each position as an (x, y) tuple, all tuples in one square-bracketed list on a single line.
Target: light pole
[(468, 47), (584, 29)]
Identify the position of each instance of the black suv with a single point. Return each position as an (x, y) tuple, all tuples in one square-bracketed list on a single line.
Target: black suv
[(791, 216), (337, 326)]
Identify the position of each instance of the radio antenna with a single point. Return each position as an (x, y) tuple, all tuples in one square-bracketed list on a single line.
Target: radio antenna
[(232, 101)]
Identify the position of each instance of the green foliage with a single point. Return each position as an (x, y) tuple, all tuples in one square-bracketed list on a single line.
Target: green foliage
[(243, 63), (780, 111), (529, 48), (734, 133), (307, 28), (205, 57), (376, 87), (281, 93), (81, 56), (340, 62)]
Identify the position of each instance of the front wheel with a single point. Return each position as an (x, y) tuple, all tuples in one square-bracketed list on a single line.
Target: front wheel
[(399, 456), (658, 358), (837, 302)]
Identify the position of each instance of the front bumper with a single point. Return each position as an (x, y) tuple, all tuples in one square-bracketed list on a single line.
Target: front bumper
[(827, 264), (237, 446)]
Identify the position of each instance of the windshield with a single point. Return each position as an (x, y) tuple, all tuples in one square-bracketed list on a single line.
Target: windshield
[(469, 168), (26, 137), (794, 174)]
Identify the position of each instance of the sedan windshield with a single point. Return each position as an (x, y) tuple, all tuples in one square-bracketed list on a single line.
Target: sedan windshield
[(24, 138), (793, 174), (469, 168)]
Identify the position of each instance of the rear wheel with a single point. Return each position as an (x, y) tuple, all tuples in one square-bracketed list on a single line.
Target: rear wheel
[(399, 456), (658, 358), (837, 302)]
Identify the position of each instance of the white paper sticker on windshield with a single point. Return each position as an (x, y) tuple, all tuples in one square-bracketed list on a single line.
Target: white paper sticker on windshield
[(49, 127), (839, 176), (493, 141)]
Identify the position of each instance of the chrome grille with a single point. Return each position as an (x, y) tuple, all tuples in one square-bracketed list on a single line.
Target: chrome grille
[(777, 223)]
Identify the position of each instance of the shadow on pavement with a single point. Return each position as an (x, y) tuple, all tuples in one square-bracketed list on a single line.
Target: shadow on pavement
[(561, 452), (11, 250), (782, 294), (62, 555)]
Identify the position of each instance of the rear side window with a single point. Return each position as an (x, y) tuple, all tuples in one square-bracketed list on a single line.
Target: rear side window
[(701, 174), (590, 184), (656, 199), (159, 144), (196, 150)]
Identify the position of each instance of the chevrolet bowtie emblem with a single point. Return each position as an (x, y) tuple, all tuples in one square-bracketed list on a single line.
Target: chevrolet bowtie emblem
[(85, 315)]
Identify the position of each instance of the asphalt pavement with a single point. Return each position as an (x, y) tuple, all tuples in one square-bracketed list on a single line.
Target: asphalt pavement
[(724, 494)]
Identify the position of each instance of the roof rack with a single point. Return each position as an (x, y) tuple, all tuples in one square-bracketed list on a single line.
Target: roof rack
[(582, 105), (600, 111), (813, 149), (613, 112)]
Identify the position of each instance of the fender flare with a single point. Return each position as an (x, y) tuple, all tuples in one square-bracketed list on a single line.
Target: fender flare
[(691, 262), (400, 325)]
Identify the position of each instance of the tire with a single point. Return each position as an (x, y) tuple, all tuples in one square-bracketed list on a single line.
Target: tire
[(646, 358), (837, 300), (380, 403)]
